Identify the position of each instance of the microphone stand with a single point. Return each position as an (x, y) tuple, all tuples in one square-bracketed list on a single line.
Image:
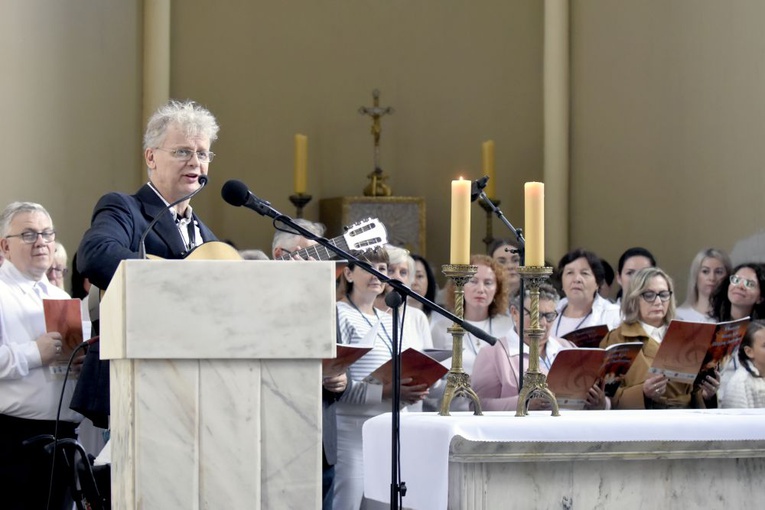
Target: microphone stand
[(202, 179), (518, 233), (398, 488)]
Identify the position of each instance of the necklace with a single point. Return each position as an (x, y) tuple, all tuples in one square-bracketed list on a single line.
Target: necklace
[(475, 342), (387, 340), (557, 325)]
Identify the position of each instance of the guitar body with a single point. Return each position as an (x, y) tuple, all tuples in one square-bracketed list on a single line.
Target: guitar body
[(213, 250), (361, 236)]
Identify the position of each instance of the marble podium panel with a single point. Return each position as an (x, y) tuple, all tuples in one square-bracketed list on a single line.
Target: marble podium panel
[(216, 382), (583, 459)]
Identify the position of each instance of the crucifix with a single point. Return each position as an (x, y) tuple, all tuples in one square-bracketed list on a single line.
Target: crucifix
[(377, 187)]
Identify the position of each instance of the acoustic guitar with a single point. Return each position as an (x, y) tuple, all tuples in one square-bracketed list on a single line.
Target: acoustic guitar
[(363, 235)]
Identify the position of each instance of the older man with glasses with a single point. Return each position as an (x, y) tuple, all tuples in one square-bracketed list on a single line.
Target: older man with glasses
[(29, 387), (177, 152)]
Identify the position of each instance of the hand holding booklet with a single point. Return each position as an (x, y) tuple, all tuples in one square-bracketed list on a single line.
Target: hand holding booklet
[(64, 316), (692, 350), (574, 371), (420, 367)]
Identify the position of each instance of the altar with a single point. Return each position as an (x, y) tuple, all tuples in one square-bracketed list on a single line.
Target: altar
[(582, 459)]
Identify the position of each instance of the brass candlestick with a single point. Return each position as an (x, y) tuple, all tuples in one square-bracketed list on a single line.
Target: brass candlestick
[(534, 381), (299, 200), (489, 238), (457, 381)]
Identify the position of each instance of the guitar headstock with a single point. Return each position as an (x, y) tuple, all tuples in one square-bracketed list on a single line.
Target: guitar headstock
[(365, 235)]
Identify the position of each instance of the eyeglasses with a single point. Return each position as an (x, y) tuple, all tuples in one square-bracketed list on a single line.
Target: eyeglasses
[(549, 316), (187, 154), (58, 270), (736, 279), (30, 236), (650, 296)]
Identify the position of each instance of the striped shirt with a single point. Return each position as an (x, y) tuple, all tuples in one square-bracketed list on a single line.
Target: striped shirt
[(358, 328)]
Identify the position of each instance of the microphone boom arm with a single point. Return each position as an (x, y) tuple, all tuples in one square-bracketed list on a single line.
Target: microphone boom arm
[(264, 208)]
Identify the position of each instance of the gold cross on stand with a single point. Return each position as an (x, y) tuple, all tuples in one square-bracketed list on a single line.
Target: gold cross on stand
[(377, 186)]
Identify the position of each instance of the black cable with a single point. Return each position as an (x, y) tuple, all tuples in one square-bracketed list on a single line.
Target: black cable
[(58, 418)]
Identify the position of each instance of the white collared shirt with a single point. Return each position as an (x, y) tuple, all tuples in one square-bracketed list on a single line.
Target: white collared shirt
[(27, 388), (183, 222), (655, 333)]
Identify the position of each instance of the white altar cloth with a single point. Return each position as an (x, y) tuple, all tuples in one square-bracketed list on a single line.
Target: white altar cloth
[(426, 439)]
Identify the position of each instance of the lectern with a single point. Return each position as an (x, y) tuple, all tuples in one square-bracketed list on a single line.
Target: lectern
[(216, 382)]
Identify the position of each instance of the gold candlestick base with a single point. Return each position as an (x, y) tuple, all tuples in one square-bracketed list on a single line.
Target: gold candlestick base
[(534, 381), (300, 200), (457, 381)]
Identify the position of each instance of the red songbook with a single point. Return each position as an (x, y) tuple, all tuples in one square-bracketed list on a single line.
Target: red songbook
[(692, 350), (590, 336), (346, 356), (420, 367), (64, 316), (574, 371)]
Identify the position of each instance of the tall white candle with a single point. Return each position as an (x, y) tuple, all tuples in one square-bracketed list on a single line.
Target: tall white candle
[(535, 223), (460, 234)]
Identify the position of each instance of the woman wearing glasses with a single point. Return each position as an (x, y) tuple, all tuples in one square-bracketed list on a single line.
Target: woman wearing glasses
[(496, 370), (739, 296), (505, 252), (648, 306)]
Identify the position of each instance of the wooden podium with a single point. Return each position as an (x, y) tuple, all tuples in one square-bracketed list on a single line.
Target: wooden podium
[(216, 382)]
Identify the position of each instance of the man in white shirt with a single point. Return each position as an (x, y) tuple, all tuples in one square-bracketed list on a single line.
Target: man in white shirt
[(29, 389)]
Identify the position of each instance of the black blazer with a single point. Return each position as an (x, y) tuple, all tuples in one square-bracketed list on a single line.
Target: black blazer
[(116, 227)]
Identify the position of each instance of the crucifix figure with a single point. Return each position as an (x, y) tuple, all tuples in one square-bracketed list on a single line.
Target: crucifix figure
[(377, 186)]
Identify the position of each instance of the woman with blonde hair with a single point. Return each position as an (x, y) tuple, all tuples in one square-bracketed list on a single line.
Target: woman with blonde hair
[(648, 306), (57, 271), (709, 267)]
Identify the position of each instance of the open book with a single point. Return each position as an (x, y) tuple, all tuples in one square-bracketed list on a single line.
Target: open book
[(587, 337), (574, 371), (415, 364), (346, 356), (692, 350)]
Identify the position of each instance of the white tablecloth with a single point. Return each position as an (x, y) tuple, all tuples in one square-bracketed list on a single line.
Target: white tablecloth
[(425, 439)]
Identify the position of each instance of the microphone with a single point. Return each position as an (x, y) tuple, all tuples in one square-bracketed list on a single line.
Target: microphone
[(202, 180), (477, 187), (237, 194)]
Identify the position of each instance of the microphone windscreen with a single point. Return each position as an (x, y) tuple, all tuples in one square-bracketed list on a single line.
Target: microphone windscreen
[(202, 179), (235, 192)]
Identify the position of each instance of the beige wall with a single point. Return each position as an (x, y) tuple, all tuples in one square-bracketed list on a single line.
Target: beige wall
[(667, 103), (668, 118), (457, 73), (70, 105)]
